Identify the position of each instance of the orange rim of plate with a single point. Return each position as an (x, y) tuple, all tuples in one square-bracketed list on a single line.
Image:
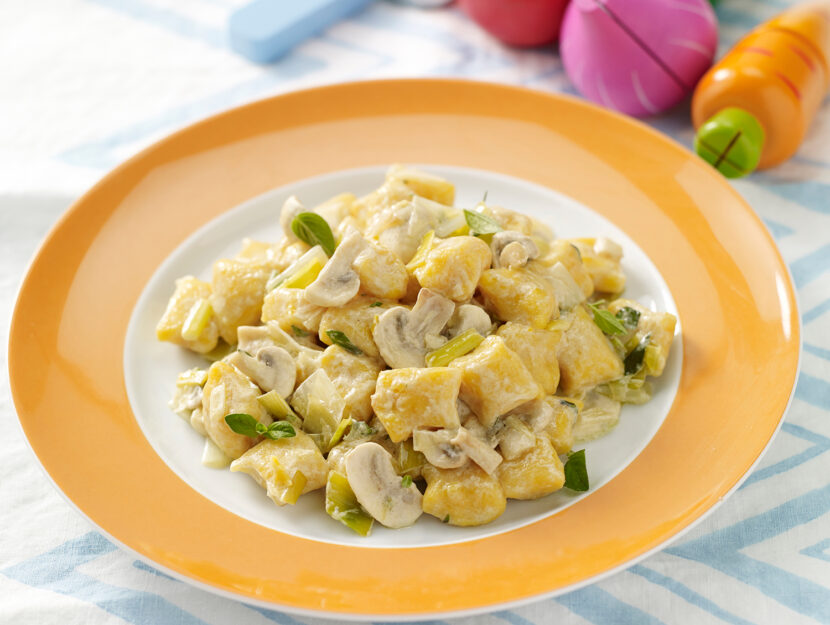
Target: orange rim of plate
[(733, 292)]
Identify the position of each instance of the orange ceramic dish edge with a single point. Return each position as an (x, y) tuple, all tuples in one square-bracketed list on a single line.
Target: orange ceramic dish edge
[(733, 293)]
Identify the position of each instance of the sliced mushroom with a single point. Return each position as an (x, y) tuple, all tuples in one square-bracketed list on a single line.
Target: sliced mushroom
[(477, 450), (272, 369), (469, 317), (306, 356), (379, 489), (568, 292), (512, 249), (290, 209), (186, 399), (475, 428), (515, 439), (400, 333), (438, 449), (338, 282), (538, 414), (253, 338), (451, 449)]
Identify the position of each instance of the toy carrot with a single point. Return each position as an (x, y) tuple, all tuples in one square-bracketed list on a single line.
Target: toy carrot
[(752, 109)]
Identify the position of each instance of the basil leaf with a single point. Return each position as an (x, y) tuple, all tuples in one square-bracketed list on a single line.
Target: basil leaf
[(298, 331), (634, 361), (576, 473), (446, 519), (406, 481), (280, 429), (314, 230), (375, 304), (261, 428), (479, 223), (243, 423), (630, 317), (606, 320), (338, 338)]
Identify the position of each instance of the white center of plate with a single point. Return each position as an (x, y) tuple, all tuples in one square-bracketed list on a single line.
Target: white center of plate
[(151, 367)]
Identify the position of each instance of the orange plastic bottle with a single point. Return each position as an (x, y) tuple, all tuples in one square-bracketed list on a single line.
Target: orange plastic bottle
[(752, 109)]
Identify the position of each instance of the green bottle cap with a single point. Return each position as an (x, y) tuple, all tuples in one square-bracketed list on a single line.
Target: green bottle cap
[(731, 141)]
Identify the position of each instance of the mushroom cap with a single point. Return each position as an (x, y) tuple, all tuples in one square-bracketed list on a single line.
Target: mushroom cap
[(512, 249), (400, 333), (272, 369), (253, 338), (379, 489), (478, 450), (438, 448), (338, 282), (469, 317)]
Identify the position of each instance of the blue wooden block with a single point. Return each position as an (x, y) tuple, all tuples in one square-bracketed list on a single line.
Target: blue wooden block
[(265, 30)]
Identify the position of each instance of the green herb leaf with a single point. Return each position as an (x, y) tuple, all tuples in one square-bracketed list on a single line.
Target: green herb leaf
[(338, 338), (298, 331), (479, 223), (576, 473), (243, 423), (630, 317), (606, 320), (375, 304), (446, 519), (406, 481), (280, 429), (634, 361), (570, 404), (246, 353), (314, 230)]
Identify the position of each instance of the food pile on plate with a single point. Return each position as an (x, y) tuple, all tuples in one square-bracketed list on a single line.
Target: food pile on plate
[(409, 356)]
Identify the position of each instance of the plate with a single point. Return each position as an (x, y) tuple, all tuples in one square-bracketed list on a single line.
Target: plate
[(731, 289), (151, 367)]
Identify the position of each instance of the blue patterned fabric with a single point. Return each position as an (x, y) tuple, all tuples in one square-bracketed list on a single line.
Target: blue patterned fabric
[(89, 82)]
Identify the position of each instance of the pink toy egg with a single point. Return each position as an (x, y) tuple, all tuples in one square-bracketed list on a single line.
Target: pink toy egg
[(640, 57)]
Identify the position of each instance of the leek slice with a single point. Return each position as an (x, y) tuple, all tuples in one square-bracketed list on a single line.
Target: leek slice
[(320, 405), (342, 505), (295, 489), (304, 263), (279, 408), (421, 253), (462, 344), (197, 319)]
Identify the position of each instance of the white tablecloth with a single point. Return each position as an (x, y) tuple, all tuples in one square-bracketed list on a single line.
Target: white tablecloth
[(86, 83)]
